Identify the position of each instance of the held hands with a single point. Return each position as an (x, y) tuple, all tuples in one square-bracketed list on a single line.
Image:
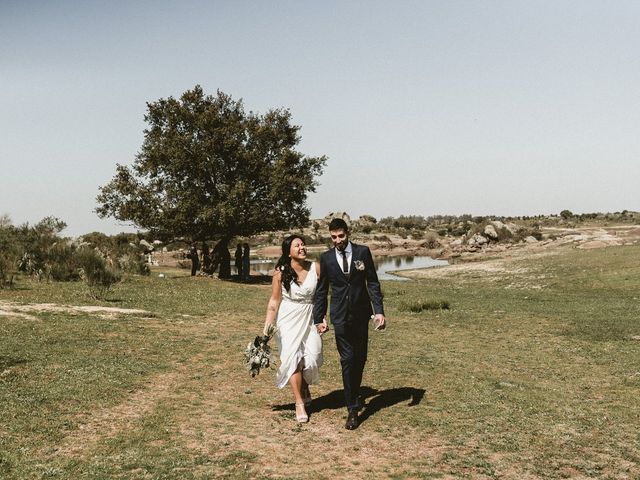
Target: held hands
[(322, 327)]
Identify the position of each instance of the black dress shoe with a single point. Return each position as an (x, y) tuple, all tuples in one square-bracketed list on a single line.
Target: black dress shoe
[(359, 403), (352, 420)]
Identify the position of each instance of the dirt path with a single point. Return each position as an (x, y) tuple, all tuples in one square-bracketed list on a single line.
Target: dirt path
[(12, 309)]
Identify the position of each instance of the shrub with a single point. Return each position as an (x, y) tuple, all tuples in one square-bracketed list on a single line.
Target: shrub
[(94, 271), (431, 241), (6, 270), (422, 305), (133, 263), (60, 264), (566, 214), (381, 238)]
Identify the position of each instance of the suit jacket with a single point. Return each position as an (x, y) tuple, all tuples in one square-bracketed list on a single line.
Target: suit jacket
[(354, 296)]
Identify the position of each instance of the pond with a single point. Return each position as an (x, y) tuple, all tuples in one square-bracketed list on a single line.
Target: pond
[(384, 265)]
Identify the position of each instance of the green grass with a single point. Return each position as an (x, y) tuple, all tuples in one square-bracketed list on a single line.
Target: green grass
[(532, 373)]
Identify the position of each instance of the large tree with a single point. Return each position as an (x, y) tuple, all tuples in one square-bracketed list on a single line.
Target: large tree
[(208, 169)]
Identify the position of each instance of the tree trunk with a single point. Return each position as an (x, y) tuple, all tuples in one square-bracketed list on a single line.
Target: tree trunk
[(224, 257)]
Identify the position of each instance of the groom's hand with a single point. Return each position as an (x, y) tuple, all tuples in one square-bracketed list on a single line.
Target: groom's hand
[(322, 327), (379, 322)]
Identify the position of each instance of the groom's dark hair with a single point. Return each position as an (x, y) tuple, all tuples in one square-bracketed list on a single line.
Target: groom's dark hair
[(338, 224)]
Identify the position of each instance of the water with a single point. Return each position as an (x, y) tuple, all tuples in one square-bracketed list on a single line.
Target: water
[(384, 265)]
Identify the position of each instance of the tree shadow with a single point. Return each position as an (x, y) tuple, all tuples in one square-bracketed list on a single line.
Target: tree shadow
[(374, 400), (253, 280), (8, 362)]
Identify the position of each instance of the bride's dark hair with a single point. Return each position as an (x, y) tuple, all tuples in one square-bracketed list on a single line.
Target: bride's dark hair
[(284, 263)]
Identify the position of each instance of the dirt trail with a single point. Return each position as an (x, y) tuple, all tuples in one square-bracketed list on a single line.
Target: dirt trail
[(12, 309)]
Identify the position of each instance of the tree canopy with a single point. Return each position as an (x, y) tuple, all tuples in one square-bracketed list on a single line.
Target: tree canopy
[(208, 169)]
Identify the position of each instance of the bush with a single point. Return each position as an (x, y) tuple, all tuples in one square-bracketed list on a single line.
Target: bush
[(422, 305), (381, 238), (566, 214), (133, 263), (94, 271), (6, 270), (60, 264), (431, 241)]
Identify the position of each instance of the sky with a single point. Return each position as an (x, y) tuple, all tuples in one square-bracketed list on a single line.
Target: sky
[(422, 107)]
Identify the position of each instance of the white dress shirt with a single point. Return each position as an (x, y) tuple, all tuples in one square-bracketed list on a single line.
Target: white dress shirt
[(349, 251)]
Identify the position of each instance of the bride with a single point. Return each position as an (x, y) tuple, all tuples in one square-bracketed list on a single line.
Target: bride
[(290, 307)]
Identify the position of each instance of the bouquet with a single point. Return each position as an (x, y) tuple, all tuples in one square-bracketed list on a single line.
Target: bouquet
[(258, 353)]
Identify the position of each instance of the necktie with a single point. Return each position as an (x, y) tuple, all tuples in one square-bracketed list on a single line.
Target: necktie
[(345, 265)]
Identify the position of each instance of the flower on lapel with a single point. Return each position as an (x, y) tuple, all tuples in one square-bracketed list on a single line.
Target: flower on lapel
[(359, 264)]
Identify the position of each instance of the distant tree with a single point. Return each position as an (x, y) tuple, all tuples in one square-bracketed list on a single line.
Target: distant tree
[(209, 170), (566, 214), (5, 220)]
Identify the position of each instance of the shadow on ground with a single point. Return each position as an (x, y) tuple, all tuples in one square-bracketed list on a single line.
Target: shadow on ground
[(374, 400), (253, 279)]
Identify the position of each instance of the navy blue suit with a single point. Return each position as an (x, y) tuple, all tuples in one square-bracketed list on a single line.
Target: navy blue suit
[(354, 298)]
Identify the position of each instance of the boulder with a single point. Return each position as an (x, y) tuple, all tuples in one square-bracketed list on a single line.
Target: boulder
[(146, 245), (366, 220), (477, 240), (343, 215), (498, 224), (512, 228), (531, 239), (490, 232)]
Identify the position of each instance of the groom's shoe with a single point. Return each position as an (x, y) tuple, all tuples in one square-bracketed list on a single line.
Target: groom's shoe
[(359, 403), (352, 420)]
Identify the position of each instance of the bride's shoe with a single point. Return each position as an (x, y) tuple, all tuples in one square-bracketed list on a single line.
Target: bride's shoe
[(301, 413)]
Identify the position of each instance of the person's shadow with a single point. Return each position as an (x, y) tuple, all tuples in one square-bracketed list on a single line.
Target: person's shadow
[(374, 400)]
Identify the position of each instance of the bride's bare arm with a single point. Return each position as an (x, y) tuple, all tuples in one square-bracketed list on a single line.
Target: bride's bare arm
[(274, 301)]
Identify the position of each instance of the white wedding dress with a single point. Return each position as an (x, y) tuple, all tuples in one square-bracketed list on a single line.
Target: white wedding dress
[(298, 339)]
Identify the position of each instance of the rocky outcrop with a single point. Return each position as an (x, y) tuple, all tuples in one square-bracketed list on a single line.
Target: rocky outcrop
[(477, 240), (490, 232)]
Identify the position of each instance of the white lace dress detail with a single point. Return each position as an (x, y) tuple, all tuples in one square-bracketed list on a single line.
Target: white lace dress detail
[(298, 340)]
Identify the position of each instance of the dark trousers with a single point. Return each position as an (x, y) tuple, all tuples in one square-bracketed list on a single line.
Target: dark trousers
[(352, 339)]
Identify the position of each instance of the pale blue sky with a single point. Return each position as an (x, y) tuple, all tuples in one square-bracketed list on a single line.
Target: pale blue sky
[(425, 107)]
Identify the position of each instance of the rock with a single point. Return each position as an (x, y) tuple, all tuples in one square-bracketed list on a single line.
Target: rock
[(512, 227), (367, 220), (477, 240), (146, 245), (490, 231), (531, 239), (343, 215), (456, 243)]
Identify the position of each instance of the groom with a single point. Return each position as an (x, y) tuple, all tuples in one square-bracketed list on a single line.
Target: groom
[(349, 270)]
